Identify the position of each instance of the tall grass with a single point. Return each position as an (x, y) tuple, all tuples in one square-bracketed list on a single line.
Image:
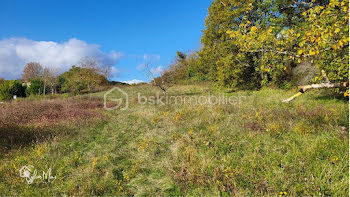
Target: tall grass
[(24, 122), (258, 147)]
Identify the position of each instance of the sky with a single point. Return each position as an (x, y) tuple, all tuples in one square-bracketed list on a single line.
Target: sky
[(121, 33)]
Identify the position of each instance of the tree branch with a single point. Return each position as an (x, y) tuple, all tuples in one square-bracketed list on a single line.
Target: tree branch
[(303, 89)]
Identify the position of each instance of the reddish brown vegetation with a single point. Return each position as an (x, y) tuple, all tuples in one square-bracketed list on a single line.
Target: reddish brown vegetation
[(46, 112), (31, 71), (22, 122)]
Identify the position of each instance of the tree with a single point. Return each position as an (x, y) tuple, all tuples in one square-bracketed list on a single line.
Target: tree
[(94, 72), (36, 87), (162, 83), (325, 40), (177, 70), (49, 79), (31, 71), (9, 88), (250, 43), (81, 79), (52, 80), (180, 56), (60, 82), (72, 80), (96, 66), (220, 59), (45, 78)]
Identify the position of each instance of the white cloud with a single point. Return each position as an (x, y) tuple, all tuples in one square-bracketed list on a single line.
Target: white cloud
[(148, 60), (134, 81), (16, 52), (148, 57), (114, 71), (157, 70), (141, 66)]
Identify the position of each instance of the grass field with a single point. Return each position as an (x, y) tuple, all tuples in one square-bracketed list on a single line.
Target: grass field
[(258, 146)]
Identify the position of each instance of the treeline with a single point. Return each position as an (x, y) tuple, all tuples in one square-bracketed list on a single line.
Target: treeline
[(248, 44), (88, 76)]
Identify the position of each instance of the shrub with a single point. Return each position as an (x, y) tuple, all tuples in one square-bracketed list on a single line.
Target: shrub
[(61, 81), (10, 88), (81, 79), (36, 87)]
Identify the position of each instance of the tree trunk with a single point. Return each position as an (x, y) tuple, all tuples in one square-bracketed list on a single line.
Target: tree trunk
[(303, 89), (44, 87)]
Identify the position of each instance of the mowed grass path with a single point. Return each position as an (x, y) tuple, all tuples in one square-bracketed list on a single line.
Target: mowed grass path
[(257, 147)]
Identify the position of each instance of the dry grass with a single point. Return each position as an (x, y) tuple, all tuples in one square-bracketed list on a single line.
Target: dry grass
[(23, 122), (257, 148)]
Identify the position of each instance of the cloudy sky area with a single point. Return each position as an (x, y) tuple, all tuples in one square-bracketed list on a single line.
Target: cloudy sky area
[(123, 34), (16, 52)]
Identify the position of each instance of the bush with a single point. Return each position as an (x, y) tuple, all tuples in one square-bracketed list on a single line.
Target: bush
[(10, 88), (81, 79), (36, 87), (61, 81)]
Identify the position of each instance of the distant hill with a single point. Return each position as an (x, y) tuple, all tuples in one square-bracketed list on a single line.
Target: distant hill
[(114, 83)]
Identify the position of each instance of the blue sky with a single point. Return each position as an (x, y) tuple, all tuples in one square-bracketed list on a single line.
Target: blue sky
[(125, 32)]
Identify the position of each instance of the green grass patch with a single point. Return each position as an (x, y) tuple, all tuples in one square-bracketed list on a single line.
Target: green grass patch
[(257, 147)]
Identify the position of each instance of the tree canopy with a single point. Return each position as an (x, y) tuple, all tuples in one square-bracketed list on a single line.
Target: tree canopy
[(79, 79), (31, 71), (254, 43)]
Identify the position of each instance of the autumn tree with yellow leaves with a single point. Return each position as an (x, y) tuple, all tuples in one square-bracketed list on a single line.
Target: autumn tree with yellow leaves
[(254, 43)]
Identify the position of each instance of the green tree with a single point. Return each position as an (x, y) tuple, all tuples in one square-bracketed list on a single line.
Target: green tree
[(325, 39), (221, 59), (254, 43), (9, 88), (60, 82), (81, 79), (36, 87)]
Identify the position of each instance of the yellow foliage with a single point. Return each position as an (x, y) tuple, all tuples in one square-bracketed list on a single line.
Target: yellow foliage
[(254, 28)]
